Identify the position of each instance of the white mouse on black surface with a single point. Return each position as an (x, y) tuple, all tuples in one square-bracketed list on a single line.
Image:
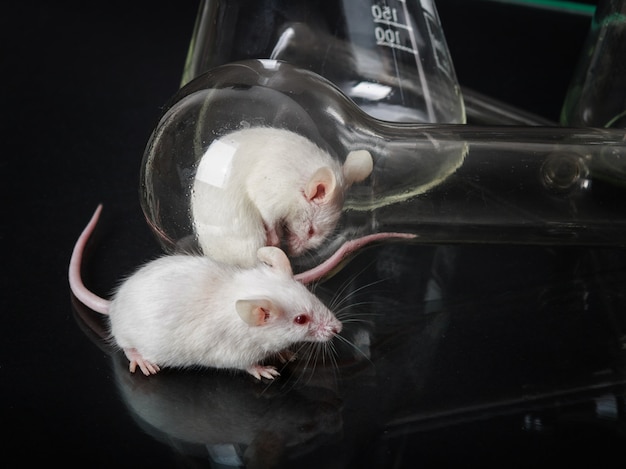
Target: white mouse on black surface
[(185, 311), (265, 186)]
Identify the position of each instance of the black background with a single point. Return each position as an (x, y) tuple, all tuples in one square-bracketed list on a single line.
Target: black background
[(82, 87)]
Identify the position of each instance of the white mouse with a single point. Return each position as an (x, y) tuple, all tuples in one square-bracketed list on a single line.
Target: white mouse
[(265, 186), (184, 311)]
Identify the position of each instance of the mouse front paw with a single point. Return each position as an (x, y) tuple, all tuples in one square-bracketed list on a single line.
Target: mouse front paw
[(272, 235), (261, 371), (135, 358)]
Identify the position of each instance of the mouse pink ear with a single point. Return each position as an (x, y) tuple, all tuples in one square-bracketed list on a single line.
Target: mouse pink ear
[(275, 258), (257, 312), (321, 185), (358, 165)]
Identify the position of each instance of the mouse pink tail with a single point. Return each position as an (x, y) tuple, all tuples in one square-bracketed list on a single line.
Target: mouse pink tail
[(347, 248), (88, 298)]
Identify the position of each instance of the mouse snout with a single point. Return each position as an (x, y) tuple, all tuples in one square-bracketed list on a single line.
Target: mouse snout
[(324, 330), (330, 329), (295, 244)]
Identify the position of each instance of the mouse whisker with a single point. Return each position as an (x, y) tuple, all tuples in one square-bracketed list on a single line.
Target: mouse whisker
[(355, 348), (345, 311), (339, 296), (307, 355), (330, 353)]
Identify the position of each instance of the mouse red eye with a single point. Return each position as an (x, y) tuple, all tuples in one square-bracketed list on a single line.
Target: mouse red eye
[(311, 231), (301, 319)]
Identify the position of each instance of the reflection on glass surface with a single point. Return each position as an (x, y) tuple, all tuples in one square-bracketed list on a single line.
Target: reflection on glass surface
[(445, 336)]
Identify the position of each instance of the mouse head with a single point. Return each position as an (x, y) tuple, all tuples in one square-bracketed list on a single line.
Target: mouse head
[(286, 309), (320, 206)]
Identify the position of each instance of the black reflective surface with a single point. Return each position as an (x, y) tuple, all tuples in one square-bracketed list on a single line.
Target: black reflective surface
[(476, 355)]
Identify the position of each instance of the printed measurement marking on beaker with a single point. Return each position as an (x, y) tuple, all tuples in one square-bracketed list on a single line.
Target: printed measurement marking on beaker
[(389, 30)]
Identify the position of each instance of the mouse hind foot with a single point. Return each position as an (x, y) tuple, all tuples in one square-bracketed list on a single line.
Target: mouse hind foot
[(135, 359)]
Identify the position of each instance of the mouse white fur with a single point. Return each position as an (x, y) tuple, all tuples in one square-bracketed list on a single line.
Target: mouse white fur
[(265, 186), (184, 310)]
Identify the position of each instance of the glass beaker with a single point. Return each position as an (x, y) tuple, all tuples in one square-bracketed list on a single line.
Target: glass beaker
[(389, 56), (597, 95)]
